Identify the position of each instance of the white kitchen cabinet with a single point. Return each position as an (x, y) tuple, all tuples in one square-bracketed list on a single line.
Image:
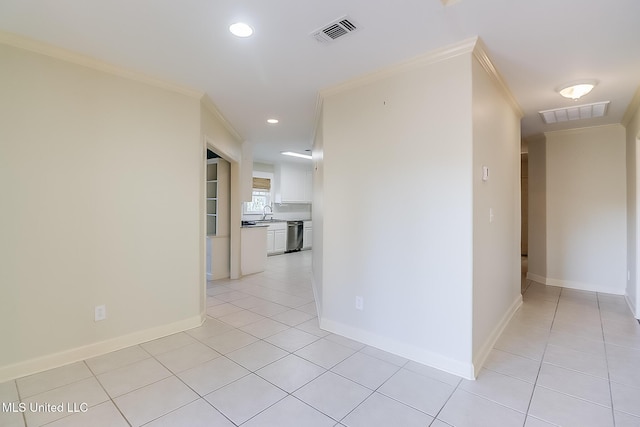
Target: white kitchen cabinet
[(270, 241), (307, 235), (295, 184), (280, 241), (276, 238)]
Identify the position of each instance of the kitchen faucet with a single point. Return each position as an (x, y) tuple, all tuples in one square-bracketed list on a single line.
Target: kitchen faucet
[(264, 216)]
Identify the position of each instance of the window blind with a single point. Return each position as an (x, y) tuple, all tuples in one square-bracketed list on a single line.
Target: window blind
[(262, 183)]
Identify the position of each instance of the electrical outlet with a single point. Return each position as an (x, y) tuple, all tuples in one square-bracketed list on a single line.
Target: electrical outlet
[(359, 303), (100, 313)]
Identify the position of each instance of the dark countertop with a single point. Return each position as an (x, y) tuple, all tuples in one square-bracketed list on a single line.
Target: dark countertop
[(267, 222), (254, 225)]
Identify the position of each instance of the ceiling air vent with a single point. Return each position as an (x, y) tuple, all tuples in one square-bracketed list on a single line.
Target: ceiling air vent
[(578, 112), (338, 28)]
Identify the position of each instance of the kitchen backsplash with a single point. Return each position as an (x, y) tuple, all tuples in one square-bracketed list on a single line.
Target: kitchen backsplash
[(289, 211)]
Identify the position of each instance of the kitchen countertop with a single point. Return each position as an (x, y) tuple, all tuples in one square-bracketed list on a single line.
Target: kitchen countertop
[(254, 225), (267, 222)]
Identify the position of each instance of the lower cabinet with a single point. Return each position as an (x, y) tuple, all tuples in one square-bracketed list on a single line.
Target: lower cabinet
[(280, 241), (271, 236), (277, 238), (307, 235)]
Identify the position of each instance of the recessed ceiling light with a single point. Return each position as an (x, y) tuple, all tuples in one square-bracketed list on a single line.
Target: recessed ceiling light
[(577, 90), (240, 29), (272, 121), (302, 156)]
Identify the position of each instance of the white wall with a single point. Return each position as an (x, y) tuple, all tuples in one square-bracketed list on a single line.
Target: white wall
[(401, 213), (537, 215), (632, 153), (317, 256), (102, 185), (496, 240), (586, 209), (397, 212)]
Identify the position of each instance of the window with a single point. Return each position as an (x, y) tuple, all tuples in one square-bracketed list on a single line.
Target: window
[(259, 199), (261, 196)]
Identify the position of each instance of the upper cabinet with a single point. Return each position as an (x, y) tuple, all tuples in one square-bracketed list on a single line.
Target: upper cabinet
[(296, 184)]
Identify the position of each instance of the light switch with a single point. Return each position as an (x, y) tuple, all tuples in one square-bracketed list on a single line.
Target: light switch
[(485, 173)]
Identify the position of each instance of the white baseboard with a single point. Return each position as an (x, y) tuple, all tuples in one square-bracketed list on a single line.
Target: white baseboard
[(632, 307), (420, 355), (316, 298), (581, 286), (536, 278), (481, 357), (88, 351)]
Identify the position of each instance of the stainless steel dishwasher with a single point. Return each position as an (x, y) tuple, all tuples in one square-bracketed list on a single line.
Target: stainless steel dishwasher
[(294, 235)]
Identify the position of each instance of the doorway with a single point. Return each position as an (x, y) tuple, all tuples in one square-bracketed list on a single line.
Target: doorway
[(230, 245), (524, 215), (217, 212)]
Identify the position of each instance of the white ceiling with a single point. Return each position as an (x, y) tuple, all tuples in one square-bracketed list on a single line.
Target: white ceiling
[(537, 45)]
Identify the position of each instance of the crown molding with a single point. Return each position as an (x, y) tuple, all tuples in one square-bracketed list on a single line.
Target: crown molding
[(633, 107), (472, 45), (206, 102), (574, 131), (480, 53), (52, 51), (438, 55)]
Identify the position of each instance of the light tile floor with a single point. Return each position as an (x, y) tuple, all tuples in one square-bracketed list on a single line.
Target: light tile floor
[(567, 358)]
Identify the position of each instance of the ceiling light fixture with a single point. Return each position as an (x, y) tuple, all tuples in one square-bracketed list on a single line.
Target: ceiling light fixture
[(273, 121), (577, 89), (240, 29), (302, 156)]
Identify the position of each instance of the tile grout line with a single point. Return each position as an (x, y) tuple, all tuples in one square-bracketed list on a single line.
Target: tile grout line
[(54, 388), (175, 374), (447, 401), (535, 383), (606, 360), (151, 356), (24, 417), (374, 390), (126, 420)]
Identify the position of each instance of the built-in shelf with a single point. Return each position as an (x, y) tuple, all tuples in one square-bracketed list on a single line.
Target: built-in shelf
[(212, 198), (217, 213)]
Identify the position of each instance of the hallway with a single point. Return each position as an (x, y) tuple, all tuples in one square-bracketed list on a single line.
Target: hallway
[(567, 358)]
